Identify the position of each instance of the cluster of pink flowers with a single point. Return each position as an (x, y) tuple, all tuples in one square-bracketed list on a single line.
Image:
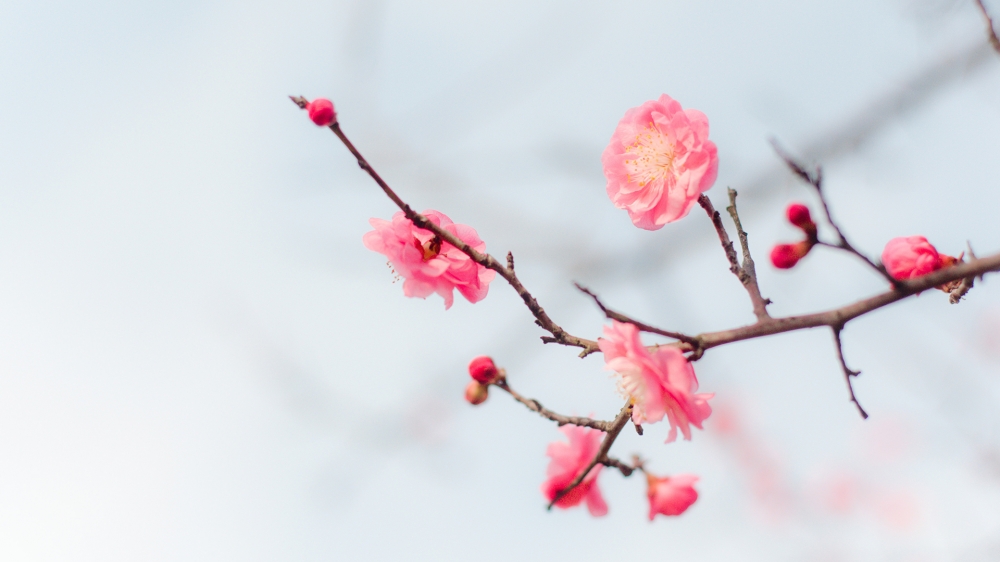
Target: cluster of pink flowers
[(660, 383), (427, 263)]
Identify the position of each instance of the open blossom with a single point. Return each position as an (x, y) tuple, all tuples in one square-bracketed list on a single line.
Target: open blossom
[(568, 460), (427, 263), (659, 161), (671, 495), (661, 383), (907, 257)]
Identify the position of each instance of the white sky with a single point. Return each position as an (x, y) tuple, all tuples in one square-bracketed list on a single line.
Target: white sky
[(200, 361)]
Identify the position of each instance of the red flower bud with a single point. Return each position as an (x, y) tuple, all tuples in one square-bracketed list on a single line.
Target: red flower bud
[(321, 112), (483, 370), (785, 256), (798, 214), (476, 393)]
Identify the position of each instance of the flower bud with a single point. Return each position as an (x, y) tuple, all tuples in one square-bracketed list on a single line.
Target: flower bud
[(482, 369), (798, 215), (476, 393), (785, 256), (321, 112)]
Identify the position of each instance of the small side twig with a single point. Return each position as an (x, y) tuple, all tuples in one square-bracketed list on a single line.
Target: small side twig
[(748, 279), (625, 469), (848, 372), (749, 269), (991, 31), (965, 286), (613, 315), (602, 453), (536, 406), (815, 179)]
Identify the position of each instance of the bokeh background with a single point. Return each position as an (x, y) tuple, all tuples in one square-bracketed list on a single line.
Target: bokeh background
[(200, 361)]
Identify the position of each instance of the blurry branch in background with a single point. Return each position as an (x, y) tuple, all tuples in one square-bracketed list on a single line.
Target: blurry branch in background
[(991, 31)]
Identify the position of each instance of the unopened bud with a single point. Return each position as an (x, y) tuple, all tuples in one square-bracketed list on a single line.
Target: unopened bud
[(483, 369), (476, 393), (785, 256), (321, 112), (798, 214)]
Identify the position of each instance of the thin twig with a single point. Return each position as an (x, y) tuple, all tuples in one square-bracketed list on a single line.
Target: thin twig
[(559, 335), (749, 282), (625, 469), (750, 271), (602, 453), (613, 315), (965, 286), (848, 372), (991, 31), (815, 179), (536, 406)]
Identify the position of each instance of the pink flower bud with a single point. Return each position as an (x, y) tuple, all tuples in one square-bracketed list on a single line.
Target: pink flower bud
[(321, 112), (785, 256), (476, 393), (672, 495), (483, 370), (907, 257)]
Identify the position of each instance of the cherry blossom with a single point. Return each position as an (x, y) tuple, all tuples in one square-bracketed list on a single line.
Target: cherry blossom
[(659, 161), (907, 257), (427, 263), (568, 460), (661, 383), (670, 495), (321, 112)]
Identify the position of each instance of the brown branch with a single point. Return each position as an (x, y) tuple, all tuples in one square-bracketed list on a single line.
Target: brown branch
[(965, 286), (559, 335), (748, 267), (536, 406), (602, 453), (748, 279), (815, 179), (613, 315), (625, 469), (991, 31), (848, 372)]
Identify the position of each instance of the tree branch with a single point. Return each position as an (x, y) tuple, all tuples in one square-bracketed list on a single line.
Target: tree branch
[(815, 179), (747, 276), (991, 31), (602, 453), (536, 406), (613, 315), (848, 372), (559, 335)]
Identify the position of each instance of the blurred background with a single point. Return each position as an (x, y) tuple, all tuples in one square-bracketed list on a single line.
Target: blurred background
[(200, 361)]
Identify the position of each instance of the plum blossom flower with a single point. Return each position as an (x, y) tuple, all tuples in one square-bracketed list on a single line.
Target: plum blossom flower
[(671, 495), (427, 263), (659, 161), (907, 257), (321, 112), (661, 383), (568, 460)]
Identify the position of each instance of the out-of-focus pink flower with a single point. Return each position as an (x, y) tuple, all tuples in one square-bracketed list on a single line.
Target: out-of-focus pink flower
[(659, 161), (785, 256), (568, 460), (476, 393), (321, 112), (660, 384), (907, 257), (427, 263), (483, 369), (671, 495)]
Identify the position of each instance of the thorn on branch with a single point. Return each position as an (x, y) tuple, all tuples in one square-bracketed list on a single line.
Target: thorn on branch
[(848, 372)]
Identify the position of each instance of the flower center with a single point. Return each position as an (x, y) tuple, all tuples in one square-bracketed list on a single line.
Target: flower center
[(652, 156), (429, 249)]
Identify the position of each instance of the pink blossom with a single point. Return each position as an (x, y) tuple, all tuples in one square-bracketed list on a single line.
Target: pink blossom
[(659, 161), (483, 369), (321, 112), (671, 495), (568, 460), (910, 256), (661, 383), (427, 263)]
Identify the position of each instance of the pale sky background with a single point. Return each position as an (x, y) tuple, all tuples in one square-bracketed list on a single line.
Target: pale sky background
[(200, 361)]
